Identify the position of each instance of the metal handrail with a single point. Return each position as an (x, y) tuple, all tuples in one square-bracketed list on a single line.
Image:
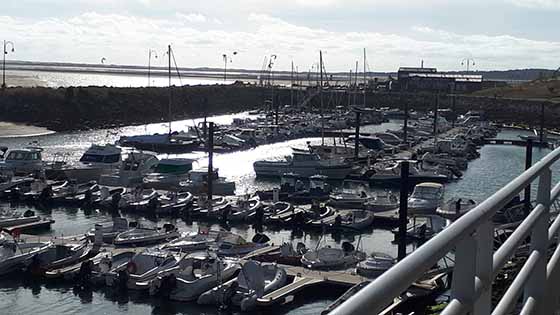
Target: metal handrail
[(380, 293)]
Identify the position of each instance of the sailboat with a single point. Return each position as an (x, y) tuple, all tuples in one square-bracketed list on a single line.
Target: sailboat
[(170, 142)]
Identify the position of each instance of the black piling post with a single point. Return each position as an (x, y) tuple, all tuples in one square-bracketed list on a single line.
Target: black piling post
[(357, 140), (276, 107), (403, 210), (436, 107), (541, 138), (210, 161), (454, 114), (528, 163), (405, 127)]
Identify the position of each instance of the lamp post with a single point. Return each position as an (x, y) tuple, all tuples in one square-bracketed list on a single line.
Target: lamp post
[(150, 52), (226, 59), (467, 62), (6, 43)]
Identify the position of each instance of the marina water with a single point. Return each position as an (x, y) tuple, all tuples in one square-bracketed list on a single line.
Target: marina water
[(497, 165)]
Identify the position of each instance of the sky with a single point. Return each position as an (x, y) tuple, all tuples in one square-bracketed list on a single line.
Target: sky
[(495, 34)]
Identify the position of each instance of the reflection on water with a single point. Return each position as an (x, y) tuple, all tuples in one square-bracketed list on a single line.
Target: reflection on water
[(497, 166)]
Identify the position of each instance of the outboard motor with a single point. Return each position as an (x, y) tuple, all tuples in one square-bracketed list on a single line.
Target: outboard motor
[(260, 238), (115, 198), (84, 275), (300, 248), (153, 204), (347, 247), (168, 227)]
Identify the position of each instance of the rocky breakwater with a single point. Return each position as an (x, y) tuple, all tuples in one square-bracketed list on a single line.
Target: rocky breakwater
[(81, 108)]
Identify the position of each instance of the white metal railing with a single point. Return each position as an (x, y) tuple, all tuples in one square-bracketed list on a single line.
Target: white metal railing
[(476, 263)]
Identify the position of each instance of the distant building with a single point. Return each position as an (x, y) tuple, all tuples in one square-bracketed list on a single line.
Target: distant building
[(428, 79)]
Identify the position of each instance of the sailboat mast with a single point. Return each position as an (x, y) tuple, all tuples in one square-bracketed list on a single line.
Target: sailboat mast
[(321, 97), (365, 83), (292, 86), (169, 74)]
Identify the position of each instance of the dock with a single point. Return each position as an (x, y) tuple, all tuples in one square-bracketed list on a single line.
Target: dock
[(37, 225), (517, 142)]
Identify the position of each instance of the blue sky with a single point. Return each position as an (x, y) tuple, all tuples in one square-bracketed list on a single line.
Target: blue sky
[(497, 34)]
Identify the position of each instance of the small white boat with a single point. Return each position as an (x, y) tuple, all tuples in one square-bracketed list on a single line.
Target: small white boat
[(305, 164), (173, 202), (144, 267), (382, 202), (23, 161), (168, 174), (189, 242), (138, 199), (142, 235), (231, 244), (17, 256), (329, 258), (375, 265), (8, 219), (354, 219), (58, 256), (242, 208), (454, 208), (253, 282), (198, 180), (425, 198), (197, 273), (110, 231), (202, 206), (131, 171), (92, 270), (98, 160)]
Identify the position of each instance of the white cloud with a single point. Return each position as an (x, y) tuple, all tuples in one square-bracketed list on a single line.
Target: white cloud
[(125, 39), (192, 17), (537, 4)]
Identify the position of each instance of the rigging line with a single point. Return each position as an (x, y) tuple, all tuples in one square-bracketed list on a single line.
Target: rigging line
[(176, 67)]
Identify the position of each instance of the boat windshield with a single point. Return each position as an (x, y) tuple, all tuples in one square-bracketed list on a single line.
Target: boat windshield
[(426, 193), (169, 168), (96, 158), (22, 155)]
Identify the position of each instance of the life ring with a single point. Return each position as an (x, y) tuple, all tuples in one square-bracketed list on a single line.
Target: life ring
[(131, 267)]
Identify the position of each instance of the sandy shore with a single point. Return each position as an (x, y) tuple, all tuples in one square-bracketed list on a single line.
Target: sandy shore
[(9, 130)]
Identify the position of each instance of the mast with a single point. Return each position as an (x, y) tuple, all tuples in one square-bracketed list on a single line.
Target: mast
[(292, 86), (170, 96), (321, 97), (365, 83), (355, 83)]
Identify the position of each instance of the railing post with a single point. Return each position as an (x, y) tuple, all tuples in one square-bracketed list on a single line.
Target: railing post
[(535, 287), (484, 261), (463, 284)]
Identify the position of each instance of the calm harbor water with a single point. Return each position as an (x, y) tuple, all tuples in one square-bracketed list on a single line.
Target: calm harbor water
[(497, 165)]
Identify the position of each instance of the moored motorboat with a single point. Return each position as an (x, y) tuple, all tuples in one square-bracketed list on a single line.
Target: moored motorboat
[(110, 231), (353, 219), (168, 174), (425, 198), (98, 160), (143, 235), (197, 273), (329, 258), (242, 208), (17, 256), (254, 281), (305, 164), (142, 268), (58, 256), (454, 208), (198, 182), (376, 264)]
